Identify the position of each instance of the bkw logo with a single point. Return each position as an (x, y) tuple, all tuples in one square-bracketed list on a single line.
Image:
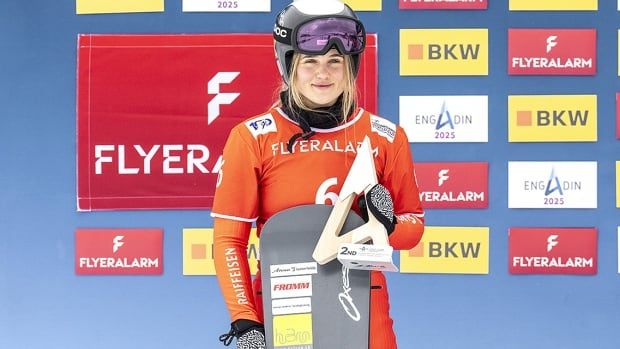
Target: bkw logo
[(458, 52), (453, 249), (561, 117)]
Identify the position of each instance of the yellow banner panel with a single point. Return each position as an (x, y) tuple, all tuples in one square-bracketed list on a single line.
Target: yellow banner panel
[(444, 52), (292, 331), (553, 5), (117, 6), (198, 251), (449, 250), (364, 5), (618, 184), (552, 118)]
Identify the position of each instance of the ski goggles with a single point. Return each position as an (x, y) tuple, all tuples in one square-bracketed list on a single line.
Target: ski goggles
[(319, 35)]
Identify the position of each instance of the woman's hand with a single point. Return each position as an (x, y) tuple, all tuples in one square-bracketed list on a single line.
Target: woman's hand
[(379, 202), (250, 334)]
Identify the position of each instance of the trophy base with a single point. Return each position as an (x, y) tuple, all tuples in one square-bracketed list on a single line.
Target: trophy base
[(366, 257)]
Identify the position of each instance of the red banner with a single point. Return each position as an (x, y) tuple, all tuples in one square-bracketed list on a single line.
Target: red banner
[(154, 112), (551, 51), (552, 250), (119, 251), (442, 4), (453, 184)]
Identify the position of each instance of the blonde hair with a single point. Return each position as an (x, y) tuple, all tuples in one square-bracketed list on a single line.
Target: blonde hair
[(349, 94)]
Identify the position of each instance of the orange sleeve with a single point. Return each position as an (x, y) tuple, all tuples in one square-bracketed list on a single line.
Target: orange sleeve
[(236, 193), (235, 207), (231, 265), (399, 178)]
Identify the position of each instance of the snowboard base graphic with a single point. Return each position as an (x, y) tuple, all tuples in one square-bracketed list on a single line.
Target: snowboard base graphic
[(308, 305)]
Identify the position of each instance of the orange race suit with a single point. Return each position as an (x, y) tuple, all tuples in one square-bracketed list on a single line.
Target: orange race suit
[(260, 177)]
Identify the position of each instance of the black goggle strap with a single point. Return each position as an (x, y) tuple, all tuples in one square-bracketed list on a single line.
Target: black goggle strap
[(282, 34)]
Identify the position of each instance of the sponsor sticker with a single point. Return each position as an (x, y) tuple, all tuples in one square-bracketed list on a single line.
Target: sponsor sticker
[(291, 286), (291, 306), (442, 4), (119, 251), (383, 127), (553, 5), (553, 184), (278, 270), (117, 6), (444, 119), (261, 125), (292, 331), (226, 5), (552, 250), (449, 250), (551, 51), (552, 118), (453, 184), (444, 52), (198, 252)]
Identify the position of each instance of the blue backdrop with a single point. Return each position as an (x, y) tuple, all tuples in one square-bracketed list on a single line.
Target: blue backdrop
[(43, 304)]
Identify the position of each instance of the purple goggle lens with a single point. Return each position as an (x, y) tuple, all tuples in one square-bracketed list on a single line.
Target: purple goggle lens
[(319, 35)]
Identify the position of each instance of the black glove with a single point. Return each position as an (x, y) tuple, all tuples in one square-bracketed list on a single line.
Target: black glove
[(379, 203), (250, 334)]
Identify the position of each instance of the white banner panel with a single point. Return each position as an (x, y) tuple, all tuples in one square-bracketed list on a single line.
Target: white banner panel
[(444, 119), (559, 184), (226, 5)]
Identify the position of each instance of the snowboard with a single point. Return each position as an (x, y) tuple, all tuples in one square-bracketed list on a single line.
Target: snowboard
[(307, 305)]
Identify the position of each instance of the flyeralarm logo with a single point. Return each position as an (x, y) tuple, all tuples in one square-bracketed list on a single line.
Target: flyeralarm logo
[(118, 251), (553, 5), (552, 250), (453, 184), (551, 51), (168, 152)]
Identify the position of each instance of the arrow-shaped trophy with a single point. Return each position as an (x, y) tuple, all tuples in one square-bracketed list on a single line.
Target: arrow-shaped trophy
[(352, 248)]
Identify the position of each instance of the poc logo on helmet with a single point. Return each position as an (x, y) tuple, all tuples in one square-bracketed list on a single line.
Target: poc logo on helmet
[(278, 31), (261, 124)]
